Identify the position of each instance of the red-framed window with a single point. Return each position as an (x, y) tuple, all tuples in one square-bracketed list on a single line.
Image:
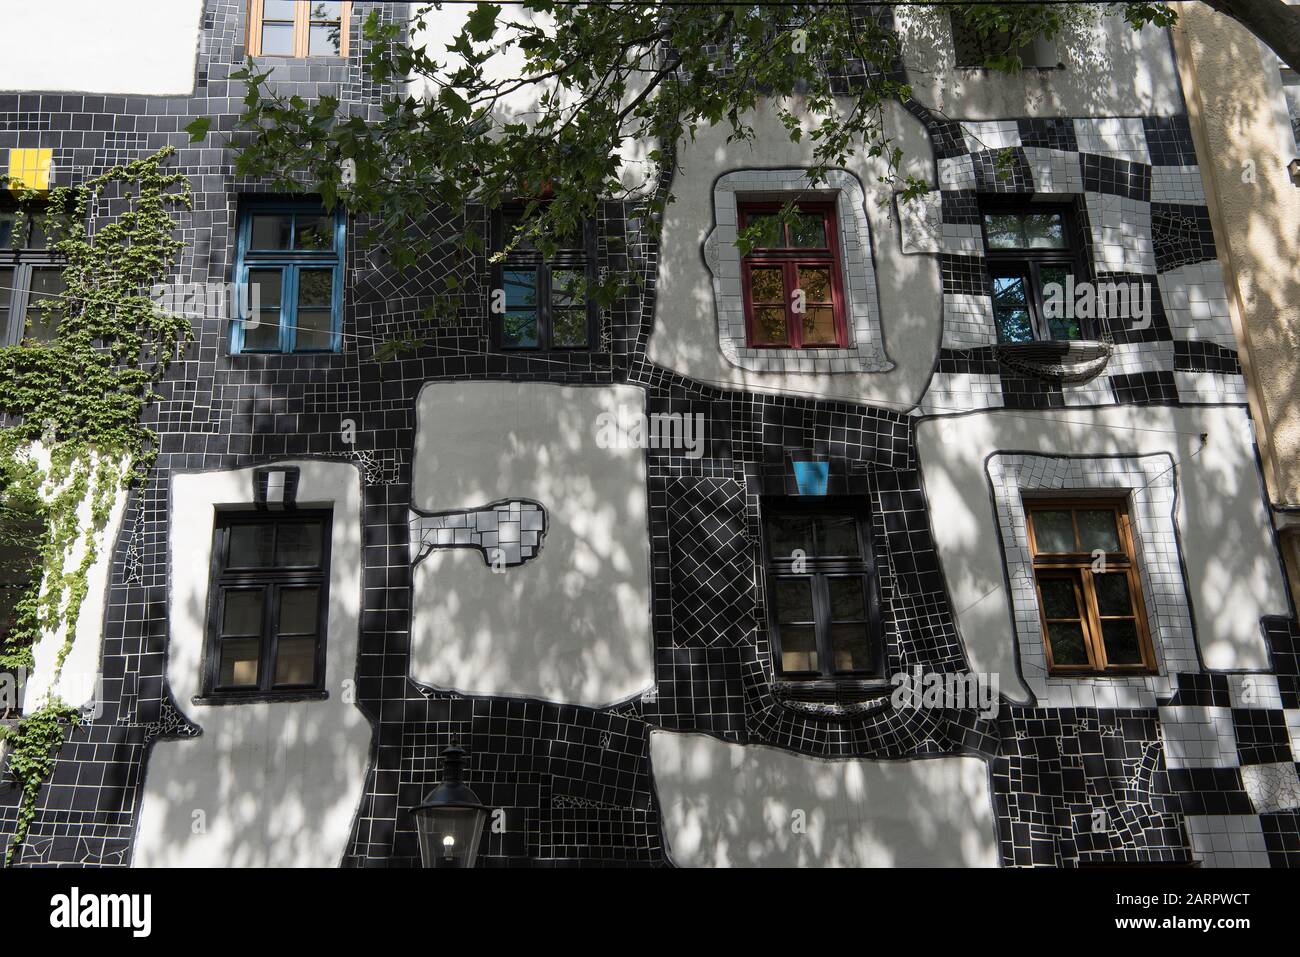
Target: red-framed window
[(794, 293)]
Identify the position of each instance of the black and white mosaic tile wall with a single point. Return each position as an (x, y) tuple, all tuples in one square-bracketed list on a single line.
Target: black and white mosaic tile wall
[(575, 783)]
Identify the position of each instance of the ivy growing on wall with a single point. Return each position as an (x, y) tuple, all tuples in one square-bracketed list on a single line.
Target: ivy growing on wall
[(74, 437)]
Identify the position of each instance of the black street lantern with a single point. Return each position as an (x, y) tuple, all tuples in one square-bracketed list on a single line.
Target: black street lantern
[(450, 819)]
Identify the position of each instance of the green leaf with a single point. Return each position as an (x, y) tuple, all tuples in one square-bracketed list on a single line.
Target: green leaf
[(482, 23), (199, 128)]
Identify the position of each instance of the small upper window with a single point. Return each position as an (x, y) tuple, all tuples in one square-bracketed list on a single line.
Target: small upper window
[(791, 278), (31, 279), (289, 273), (542, 303), (1030, 262), (981, 49), (268, 603), (1089, 590), (823, 610), (298, 28)]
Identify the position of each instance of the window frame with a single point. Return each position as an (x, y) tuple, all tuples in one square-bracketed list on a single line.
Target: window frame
[(819, 569), (301, 30), (1077, 567), (291, 262), (789, 259), (530, 260), (271, 580), (1028, 263), (23, 260)]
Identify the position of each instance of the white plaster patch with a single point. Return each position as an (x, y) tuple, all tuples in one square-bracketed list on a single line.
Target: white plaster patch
[(146, 47), (267, 784), (1271, 787), (573, 623), (1117, 137), (731, 805)]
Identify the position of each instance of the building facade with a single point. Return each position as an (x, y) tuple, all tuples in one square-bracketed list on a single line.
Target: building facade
[(969, 561)]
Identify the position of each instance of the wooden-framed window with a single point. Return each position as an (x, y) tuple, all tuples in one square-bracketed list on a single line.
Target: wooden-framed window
[(1029, 251), (31, 278), (267, 604), (298, 28), (823, 602), (289, 278), (793, 290), (542, 304), (1089, 589)]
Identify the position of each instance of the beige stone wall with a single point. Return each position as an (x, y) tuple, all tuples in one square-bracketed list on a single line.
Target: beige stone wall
[(1244, 141)]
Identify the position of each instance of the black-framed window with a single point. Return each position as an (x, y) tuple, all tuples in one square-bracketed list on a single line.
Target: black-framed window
[(30, 274), (267, 604), (823, 600), (539, 303), (1031, 257)]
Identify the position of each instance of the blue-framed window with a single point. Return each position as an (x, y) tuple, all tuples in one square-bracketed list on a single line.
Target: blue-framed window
[(289, 278)]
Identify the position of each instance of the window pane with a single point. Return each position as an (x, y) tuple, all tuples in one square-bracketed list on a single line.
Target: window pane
[(47, 286), (326, 9), (295, 661), (262, 328), (769, 326), (8, 218), (298, 544), (819, 326), (278, 9), (569, 328), (815, 281), (1011, 309), (1067, 643), (1112, 595), (807, 230), (298, 608), (770, 232), (277, 39), (315, 318), (6, 294), (566, 287), (1004, 231), (272, 231), (1097, 529), (1059, 598), (766, 286), (1045, 231), (519, 330), (799, 648), (847, 600), (837, 535), (241, 613), (250, 546), (851, 646), (793, 597), (787, 534), (1053, 530), (1064, 326), (315, 288), (325, 39), (1120, 636), (313, 232), (520, 287), (238, 667)]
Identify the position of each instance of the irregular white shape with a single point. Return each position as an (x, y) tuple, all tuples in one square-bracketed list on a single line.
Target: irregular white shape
[(732, 805), (1271, 787), (573, 624), (146, 47), (277, 783)]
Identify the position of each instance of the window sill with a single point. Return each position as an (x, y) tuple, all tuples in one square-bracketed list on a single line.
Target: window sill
[(1068, 361), (832, 697), (262, 697)]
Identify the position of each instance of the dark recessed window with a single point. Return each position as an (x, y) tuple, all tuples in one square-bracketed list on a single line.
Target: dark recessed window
[(1089, 589), (31, 279), (977, 48), (794, 295), (268, 604), (542, 303), (1031, 261), (298, 28), (823, 606), (289, 277)]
